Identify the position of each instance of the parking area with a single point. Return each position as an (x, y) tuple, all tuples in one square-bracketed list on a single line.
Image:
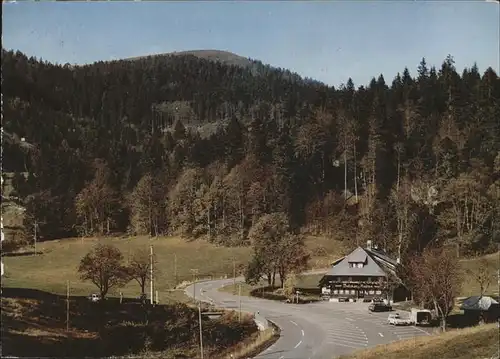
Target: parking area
[(351, 326)]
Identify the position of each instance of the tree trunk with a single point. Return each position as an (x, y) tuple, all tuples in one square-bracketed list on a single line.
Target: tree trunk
[(399, 171), (241, 214), (208, 223), (355, 174), (345, 174), (223, 213)]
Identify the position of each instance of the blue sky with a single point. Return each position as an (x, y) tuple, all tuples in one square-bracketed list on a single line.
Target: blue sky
[(328, 41)]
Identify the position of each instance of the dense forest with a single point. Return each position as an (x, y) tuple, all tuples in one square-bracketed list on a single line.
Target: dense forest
[(184, 145)]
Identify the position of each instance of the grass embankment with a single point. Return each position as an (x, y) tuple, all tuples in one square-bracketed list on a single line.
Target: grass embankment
[(471, 343), (306, 284), (34, 325)]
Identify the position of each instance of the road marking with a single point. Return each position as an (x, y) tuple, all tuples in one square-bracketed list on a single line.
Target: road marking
[(345, 345), (294, 323), (350, 319), (298, 344), (382, 335), (281, 357), (348, 338), (302, 332)]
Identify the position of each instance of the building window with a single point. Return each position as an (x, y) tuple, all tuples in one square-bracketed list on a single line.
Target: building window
[(335, 291), (379, 292), (353, 291)]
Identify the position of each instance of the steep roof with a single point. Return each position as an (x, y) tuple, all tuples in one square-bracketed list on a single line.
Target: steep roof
[(477, 302), (382, 255), (357, 257), (371, 268)]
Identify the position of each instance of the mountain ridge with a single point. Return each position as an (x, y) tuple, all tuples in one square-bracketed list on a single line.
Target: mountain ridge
[(223, 56)]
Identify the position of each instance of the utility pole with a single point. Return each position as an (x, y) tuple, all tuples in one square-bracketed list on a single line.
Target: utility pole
[(151, 274), (67, 305), (201, 332), (175, 269), (239, 300), (234, 276), (35, 225), (194, 272)]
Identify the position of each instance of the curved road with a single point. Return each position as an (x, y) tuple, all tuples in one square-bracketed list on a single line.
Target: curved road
[(320, 330)]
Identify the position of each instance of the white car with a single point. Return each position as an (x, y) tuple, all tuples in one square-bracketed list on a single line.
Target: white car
[(94, 297), (396, 319)]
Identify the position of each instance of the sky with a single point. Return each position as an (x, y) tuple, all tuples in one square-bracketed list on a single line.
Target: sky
[(329, 41)]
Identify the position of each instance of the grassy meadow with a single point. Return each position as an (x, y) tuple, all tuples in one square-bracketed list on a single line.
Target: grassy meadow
[(57, 262)]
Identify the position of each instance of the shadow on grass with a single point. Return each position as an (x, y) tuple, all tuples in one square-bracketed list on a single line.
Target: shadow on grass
[(21, 254)]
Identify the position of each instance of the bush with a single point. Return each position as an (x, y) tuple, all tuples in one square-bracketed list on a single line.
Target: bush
[(124, 338)]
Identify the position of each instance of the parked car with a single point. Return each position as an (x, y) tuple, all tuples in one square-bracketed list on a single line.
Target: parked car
[(94, 297), (379, 307), (396, 319)]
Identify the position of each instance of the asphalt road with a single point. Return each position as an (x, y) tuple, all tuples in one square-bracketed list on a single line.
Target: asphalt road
[(320, 330)]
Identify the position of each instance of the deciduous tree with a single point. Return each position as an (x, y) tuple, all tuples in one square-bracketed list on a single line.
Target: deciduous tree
[(104, 267), (436, 278)]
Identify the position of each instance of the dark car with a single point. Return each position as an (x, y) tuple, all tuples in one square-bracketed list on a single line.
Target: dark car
[(379, 307)]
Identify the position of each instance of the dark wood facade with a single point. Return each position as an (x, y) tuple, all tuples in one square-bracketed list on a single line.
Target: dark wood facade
[(357, 287)]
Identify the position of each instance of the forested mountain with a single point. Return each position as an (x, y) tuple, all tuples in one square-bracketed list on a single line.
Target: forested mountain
[(122, 146)]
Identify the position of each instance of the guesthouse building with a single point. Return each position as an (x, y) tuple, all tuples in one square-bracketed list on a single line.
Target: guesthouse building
[(365, 274)]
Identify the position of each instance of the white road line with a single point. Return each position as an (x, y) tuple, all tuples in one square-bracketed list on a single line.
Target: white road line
[(382, 335), (346, 345), (302, 332), (346, 332), (298, 344), (281, 357), (294, 323), (349, 339), (350, 319)]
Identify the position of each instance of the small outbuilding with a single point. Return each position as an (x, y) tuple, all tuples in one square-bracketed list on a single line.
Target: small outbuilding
[(481, 309)]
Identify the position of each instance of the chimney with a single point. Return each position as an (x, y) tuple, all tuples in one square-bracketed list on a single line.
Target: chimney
[(369, 244)]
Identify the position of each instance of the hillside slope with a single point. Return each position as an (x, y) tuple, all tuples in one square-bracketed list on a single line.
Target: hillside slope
[(471, 343), (225, 57)]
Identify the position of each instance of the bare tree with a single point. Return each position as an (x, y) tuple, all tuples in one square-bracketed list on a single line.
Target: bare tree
[(148, 205), (436, 278), (482, 275), (400, 199), (281, 251), (103, 266)]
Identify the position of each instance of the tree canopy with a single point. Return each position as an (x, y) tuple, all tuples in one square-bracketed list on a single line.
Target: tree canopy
[(179, 144)]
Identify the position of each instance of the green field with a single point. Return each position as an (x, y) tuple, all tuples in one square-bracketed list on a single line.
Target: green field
[(470, 343), (470, 285), (59, 261)]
